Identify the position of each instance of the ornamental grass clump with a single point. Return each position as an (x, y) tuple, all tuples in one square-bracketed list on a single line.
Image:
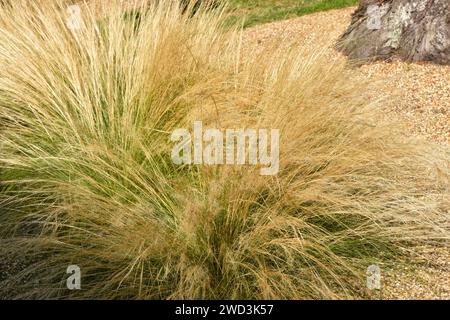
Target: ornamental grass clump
[(87, 178)]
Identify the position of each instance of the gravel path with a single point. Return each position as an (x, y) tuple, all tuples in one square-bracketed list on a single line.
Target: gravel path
[(424, 88), (423, 108)]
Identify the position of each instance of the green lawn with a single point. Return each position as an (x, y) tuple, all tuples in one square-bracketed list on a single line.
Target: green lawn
[(254, 12)]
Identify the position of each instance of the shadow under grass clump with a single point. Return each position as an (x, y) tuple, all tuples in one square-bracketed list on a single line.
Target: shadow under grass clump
[(86, 158)]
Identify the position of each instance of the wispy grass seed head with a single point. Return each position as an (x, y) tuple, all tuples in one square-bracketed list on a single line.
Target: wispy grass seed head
[(86, 175)]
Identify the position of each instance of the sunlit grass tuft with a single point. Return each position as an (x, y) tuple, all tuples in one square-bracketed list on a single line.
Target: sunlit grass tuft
[(86, 175)]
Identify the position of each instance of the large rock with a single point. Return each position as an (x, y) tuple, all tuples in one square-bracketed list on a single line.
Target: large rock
[(416, 30)]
